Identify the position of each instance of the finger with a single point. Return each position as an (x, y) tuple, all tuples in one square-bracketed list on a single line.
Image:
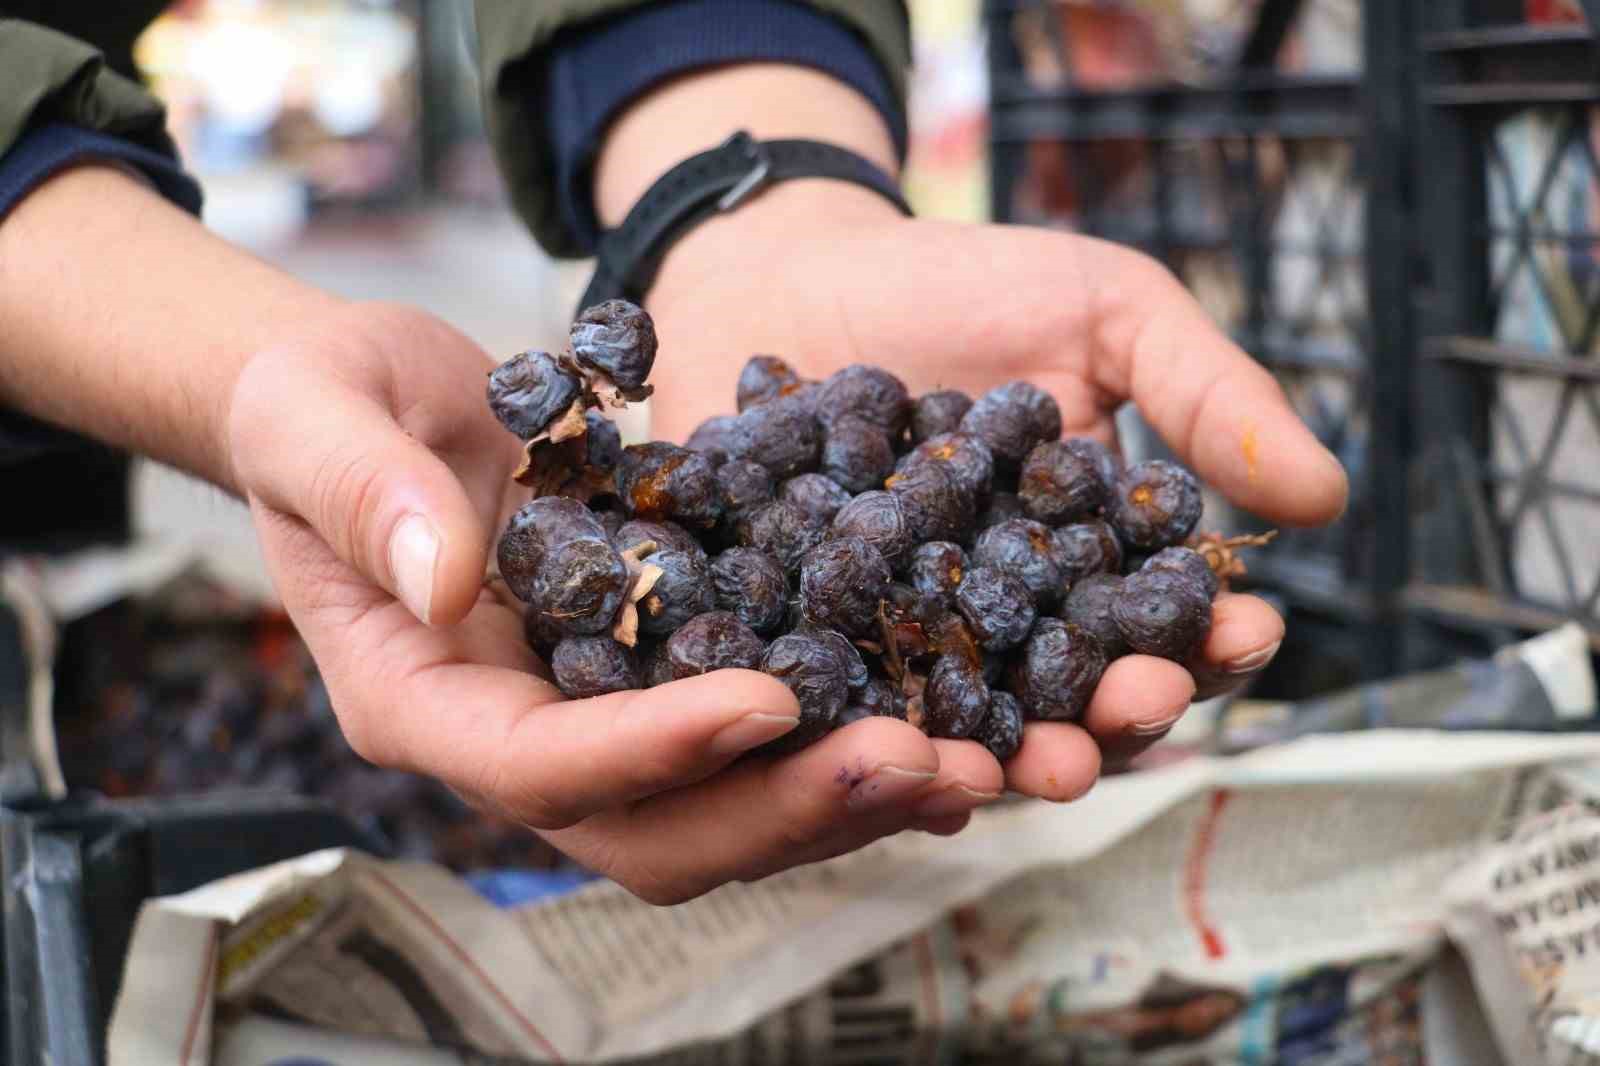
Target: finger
[(427, 700), (1245, 635), (1221, 411), (1058, 761), (762, 815), (382, 500), (1137, 702)]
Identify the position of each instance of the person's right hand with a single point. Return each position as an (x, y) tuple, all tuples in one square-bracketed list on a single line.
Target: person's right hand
[(378, 481)]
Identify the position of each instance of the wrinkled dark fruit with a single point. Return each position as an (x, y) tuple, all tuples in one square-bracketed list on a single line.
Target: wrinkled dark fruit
[(781, 530), (1001, 729), (936, 568), (682, 591), (955, 698), (814, 672), (763, 378), (660, 480), (712, 438), (998, 608), (967, 458), (743, 486), (842, 581), (1156, 504), (554, 556), (716, 640), (1163, 612), (1189, 562), (751, 584), (875, 517), (1088, 606), (936, 559), (819, 497), (876, 699), (665, 534), (618, 339), (1057, 671), (1062, 482), (593, 666), (781, 434), (1022, 548), (1012, 420), (856, 454), (1085, 548), (868, 392), (938, 412), (935, 504), (528, 392)]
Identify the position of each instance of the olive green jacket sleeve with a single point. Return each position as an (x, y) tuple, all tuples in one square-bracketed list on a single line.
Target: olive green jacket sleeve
[(511, 34), (47, 75)]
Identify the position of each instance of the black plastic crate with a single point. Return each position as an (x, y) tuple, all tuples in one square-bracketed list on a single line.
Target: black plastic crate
[(1355, 215)]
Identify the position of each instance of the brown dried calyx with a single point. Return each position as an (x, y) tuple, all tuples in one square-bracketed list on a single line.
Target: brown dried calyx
[(642, 577), (1222, 554)]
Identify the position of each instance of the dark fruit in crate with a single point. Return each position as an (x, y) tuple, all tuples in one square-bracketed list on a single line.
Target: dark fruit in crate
[(554, 556), (1163, 612), (781, 530), (781, 434), (856, 454), (743, 486), (618, 339), (1063, 481), (876, 699), (711, 439), (936, 568), (1085, 548), (1156, 504), (593, 666), (529, 392), (716, 640), (602, 440), (841, 582), (682, 591), (935, 504), (819, 497), (1056, 672), (966, 457), (955, 699), (751, 584), (938, 412), (1022, 548), (1187, 561), (877, 518), (868, 392), (813, 670), (660, 480), (856, 674), (1012, 420), (763, 378), (1001, 729), (998, 608), (664, 534), (1088, 606), (1001, 507)]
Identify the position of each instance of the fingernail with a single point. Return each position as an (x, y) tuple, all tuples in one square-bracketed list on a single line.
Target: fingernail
[(1154, 729), (751, 731), (1254, 661), (413, 554), (957, 799), (885, 787)]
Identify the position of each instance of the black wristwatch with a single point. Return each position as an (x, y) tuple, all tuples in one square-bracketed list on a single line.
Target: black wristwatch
[(708, 184)]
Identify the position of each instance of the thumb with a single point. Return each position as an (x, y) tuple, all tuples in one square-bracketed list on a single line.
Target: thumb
[(385, 503)]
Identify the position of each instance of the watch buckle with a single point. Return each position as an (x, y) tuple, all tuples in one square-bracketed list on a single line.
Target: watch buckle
[(755, 178)]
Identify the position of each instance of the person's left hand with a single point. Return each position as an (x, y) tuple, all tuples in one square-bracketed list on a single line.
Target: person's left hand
[(825, 274)]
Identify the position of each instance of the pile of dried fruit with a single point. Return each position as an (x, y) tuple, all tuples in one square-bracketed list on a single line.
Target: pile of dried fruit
[(942, 560)]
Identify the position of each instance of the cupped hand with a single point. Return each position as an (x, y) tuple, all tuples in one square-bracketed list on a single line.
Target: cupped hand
[(377, 480), (826, 275)]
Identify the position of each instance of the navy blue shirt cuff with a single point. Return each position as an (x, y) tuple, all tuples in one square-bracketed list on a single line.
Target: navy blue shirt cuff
[(594, 70)]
